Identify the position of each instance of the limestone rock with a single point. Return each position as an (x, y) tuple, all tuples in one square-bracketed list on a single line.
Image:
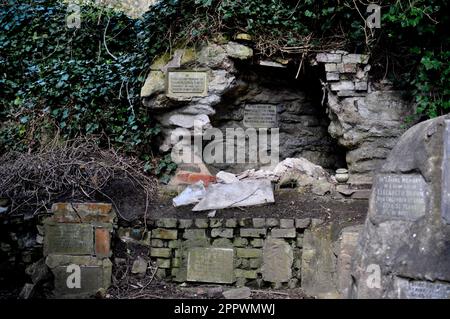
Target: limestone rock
[(139, 266), (318, 268), (277, 260), (368, 127), (403, 249), (238, 51)]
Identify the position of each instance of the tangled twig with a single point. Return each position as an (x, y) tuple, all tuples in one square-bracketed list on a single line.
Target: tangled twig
[(76, 170)]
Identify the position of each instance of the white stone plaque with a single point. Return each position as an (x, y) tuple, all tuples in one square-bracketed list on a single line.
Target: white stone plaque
[(211, 265), (260, 116), (187, 83)]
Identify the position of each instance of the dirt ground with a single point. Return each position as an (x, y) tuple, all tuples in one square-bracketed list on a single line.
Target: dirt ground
[(163, 290), (288, 204)]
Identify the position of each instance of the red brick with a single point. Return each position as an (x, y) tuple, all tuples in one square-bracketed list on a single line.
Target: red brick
[(102, 242), (192, 178)]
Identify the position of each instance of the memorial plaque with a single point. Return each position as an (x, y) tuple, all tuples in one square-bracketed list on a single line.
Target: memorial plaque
[(92, 278), (260, 116), (69, 239), (211, 265), (418, 289), (446, 174), (187, 83), (401, 196)]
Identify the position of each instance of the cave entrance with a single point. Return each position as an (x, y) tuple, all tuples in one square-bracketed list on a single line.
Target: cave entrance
[(300, 116)]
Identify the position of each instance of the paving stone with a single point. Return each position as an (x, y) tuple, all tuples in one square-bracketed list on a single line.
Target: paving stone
[(176, 262), (272, 222), (253, 232), (201, 223), (240, 242), (329, 57), (283, 233), (286, 223), (162, 233), (248, 252), (222, 232), (257, 242), (167, 222), (194, 234), (255, 263), (231, 222), (245, 222), (222, 242), (259, 222), (174, 244), (161, 252), (215, 222), (185, 223), (302, 223), (157, 243), (163, 263), (244, 273)]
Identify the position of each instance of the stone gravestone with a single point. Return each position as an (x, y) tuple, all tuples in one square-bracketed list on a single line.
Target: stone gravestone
[(186, 83), (404, 248), (211, 265), (260, 116), (277, 260), (94, 273), (69, 239)]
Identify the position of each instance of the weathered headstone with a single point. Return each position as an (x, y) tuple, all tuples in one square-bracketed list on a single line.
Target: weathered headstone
[(277, 260), (211, 265), (403, 250), (419, 289), (70, 239), (400, 195), (187, 83), (79, 276), (260, 116)]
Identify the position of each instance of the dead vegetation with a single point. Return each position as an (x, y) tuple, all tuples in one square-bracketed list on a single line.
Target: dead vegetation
[(77, 170)]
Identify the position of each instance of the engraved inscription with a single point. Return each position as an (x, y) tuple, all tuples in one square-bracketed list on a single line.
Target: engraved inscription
[(187, 83), (69, 239), (417, 289), (401, 196), (260, 116), (210, 265), (446, 174)]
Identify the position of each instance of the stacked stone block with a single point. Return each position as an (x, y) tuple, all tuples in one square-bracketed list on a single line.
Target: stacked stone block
[(346, 73), (172, 239)]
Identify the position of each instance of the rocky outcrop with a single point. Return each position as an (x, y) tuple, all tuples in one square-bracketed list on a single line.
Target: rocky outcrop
[(403, 251), (234, 82), (365, 121)]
